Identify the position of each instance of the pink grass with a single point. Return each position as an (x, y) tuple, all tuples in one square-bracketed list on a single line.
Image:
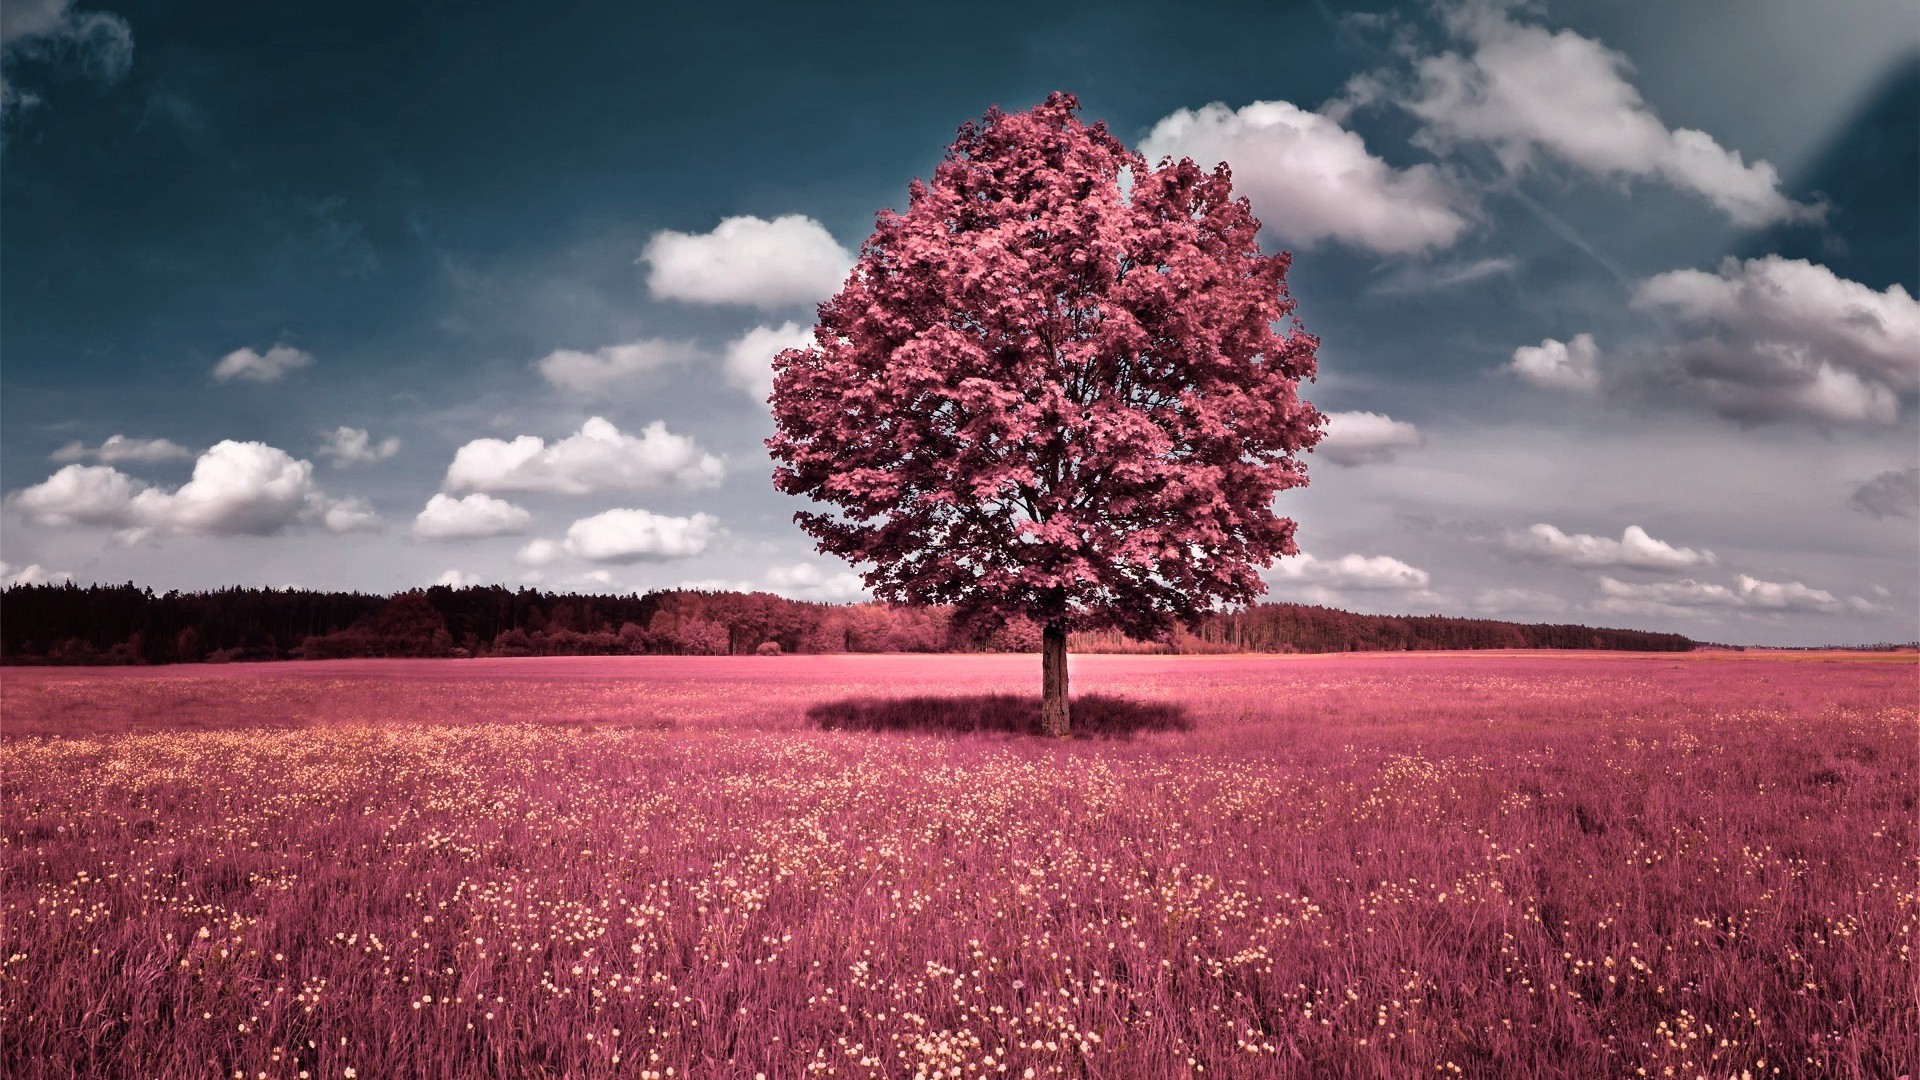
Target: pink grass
[(1482, 865)]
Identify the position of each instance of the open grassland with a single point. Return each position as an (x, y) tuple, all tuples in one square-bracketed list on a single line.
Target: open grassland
[(1479, 865)]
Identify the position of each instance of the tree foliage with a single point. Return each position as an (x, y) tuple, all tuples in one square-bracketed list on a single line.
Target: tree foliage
[(1061, 385)]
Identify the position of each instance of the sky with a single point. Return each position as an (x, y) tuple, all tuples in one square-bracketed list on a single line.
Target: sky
[(1616, 300)]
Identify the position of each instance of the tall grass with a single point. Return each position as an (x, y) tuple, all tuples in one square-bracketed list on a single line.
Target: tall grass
[(1375, 866)]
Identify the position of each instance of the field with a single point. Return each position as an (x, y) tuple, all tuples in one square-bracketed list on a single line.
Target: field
[(1367, 866)]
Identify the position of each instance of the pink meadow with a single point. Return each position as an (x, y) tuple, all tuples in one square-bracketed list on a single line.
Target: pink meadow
[(1371, 865)]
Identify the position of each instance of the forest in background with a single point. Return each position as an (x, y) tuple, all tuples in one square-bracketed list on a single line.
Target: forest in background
[(128, 624)]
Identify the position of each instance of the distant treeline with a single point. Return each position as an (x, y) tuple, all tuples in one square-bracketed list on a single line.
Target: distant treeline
[(127, 624)]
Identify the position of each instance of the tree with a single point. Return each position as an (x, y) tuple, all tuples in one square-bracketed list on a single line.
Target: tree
[(409, 625), (1054, 387)]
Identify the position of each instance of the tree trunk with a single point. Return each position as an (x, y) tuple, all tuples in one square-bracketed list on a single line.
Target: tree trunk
[(1053, 680)]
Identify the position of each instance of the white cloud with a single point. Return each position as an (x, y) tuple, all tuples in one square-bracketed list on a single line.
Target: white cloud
[(237, 488), (32, 574), (1310, 180), (1786, 338), (805, 581), (349, 515), (92, 44), (540, 553), (1670, 597), (799, 581), (353, 446), (598, 458), (28, 19), (599, 581), (469, 518), (1893, 493), (1559, 365), (1768, 386), (1518, 602), (119, 448), (621, 536), (749, 357), (1352, 572), (1526, 92), (1365, 438), (718, 585), (458, 579), (271, 366), (1767, 339), (1785, 596), (1635, 549), (612, 365), (79, 495), (748, 260), (1860, 605), (1415, 277), (245, 487)]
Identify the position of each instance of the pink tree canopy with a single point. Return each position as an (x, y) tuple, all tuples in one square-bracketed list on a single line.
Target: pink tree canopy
[(1054, 387)]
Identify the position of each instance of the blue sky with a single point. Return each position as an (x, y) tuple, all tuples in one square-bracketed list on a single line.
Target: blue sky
[(1616, 300)]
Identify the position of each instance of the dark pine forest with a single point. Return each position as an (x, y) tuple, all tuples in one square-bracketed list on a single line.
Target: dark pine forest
[(127, 624)]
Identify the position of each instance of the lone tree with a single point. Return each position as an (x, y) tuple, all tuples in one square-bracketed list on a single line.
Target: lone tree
[(1054, 387)]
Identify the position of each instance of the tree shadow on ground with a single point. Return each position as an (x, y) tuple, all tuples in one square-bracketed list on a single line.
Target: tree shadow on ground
[(1093, 716)]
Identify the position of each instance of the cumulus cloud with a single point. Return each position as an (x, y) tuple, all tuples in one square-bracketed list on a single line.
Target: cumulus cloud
[(540, 553), (79, 495), (458, 579), (1311, 180), (1526, 92), (1894, 493), (624, 536), (612, 365), (598, 458), (1783, 386), (348, 515), (1785, 596), (92, 44), (1366, 438), (120, 448), (1748, 594), (1787, 338), (270, 366), (1634, 550), (237, 488), (32, 574), (805, 581), (1352, 572), (1664, 597), (469, 518), (749, 358), (353, 446), (748, 260), (1768, 339), (1559, 365)]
